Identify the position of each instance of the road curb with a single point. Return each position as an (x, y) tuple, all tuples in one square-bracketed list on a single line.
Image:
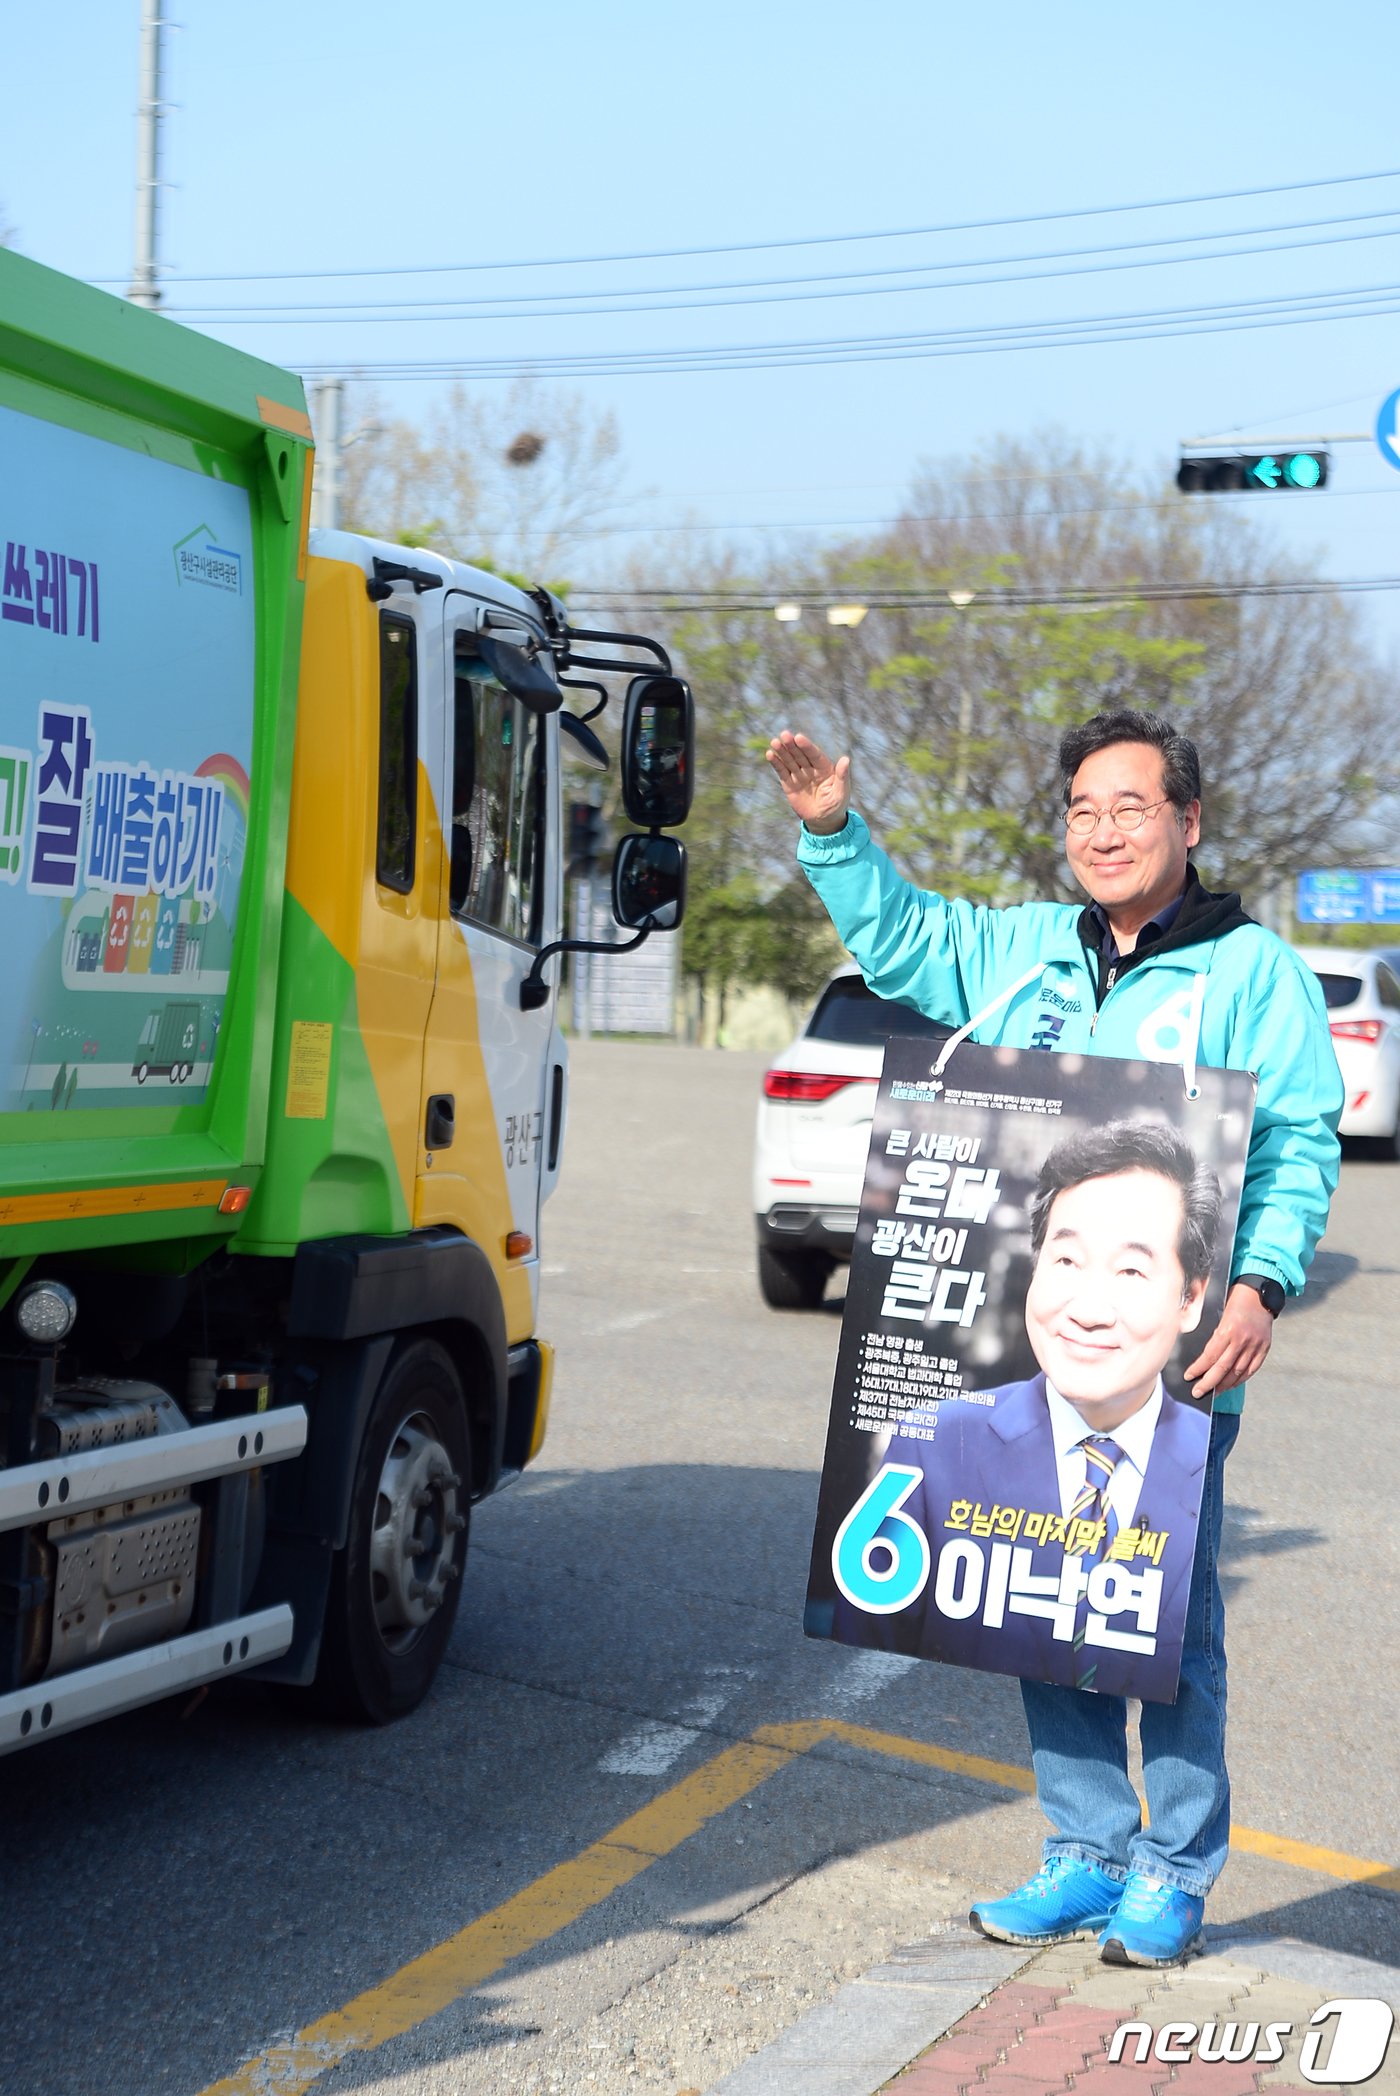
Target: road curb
[(889, 2019), (875, 2025)]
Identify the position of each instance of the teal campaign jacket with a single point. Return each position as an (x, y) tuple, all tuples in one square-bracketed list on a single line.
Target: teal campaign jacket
[(1219, 991)]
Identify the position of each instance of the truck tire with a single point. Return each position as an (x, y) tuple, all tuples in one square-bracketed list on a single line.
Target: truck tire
[(792, 1280), (391, 1606)]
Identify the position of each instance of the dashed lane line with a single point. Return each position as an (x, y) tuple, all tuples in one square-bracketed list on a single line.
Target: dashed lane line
[(441, 1976)]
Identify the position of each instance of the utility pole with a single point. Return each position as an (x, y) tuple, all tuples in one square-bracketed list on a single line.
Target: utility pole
[(328, 402), (145, 287)]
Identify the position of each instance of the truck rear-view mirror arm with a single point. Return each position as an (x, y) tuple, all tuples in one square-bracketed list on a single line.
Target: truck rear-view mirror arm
[(569, 660), (534, 990)]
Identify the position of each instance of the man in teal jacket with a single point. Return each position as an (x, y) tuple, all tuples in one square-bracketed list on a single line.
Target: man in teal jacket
[(1157, 968)]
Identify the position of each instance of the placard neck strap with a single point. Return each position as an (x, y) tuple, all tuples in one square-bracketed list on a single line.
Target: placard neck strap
[(956, 1040), (1192, 1041)]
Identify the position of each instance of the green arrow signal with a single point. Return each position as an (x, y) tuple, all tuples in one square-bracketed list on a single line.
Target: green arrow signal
[(1267, 471)]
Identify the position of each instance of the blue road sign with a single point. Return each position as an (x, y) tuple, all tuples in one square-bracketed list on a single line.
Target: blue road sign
[(1369, 895), (1331, 898), (1385, 896), (1388, 429)]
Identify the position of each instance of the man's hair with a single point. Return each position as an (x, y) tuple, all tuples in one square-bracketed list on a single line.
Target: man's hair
[(1136, 1146), (1181, 767)]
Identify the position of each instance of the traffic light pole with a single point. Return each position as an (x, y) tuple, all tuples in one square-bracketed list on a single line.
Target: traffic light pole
[(1350, 436)]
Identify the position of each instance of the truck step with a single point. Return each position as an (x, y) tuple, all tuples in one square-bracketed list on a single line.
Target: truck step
[(117, 1685), (69, 1484)]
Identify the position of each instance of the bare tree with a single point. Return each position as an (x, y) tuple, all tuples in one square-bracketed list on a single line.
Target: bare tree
[(517, 480), (953, 704), (549, 472)]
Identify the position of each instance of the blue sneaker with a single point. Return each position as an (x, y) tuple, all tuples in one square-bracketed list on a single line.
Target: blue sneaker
[(1065, 1898), (1155, 1925)]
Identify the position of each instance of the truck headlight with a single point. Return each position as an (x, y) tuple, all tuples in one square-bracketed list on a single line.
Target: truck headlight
[(45, 1312)]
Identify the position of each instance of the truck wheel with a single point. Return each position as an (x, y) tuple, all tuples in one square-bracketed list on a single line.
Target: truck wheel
[(143, 1071), (792, 1280), (395, 1586)]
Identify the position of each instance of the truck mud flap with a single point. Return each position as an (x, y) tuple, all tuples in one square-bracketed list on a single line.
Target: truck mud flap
[(116, 1685)]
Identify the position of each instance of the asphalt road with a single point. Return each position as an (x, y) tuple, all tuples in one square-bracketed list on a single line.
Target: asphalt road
[(186, 1891)]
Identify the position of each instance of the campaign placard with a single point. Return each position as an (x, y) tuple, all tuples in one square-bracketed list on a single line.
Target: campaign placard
[(128, 625), (1015, 1461)]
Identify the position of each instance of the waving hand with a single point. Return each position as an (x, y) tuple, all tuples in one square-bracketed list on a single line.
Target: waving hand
[(818, 791)]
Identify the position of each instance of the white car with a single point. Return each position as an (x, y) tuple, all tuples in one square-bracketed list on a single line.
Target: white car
[(1363, 1009), (813, 1133)]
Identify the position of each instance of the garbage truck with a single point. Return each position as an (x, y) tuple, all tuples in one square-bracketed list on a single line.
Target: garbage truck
[(282, 1081)]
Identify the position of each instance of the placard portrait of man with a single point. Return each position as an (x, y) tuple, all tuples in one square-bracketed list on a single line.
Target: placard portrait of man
[(1124, 1223)]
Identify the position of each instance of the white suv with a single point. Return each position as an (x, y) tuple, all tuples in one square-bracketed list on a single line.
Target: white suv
[(813, 1132), (1363, 1010)]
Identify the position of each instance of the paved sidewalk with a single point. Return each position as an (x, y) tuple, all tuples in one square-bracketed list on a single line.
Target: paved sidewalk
[(958, 2016)]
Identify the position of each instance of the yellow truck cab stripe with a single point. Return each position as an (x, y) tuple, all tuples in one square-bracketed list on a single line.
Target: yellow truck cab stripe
[(111, 1200)]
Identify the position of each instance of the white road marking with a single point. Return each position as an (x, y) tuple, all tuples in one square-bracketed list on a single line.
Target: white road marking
[(864, 1674), (649, 1751), (655, 1745), (630, 1322)]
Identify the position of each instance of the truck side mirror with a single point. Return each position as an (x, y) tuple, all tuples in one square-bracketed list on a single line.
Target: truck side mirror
[(523, 672), (658, 751), (648, 886)]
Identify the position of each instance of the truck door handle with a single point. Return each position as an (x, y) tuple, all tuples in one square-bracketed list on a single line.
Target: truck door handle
[(442, 1121)]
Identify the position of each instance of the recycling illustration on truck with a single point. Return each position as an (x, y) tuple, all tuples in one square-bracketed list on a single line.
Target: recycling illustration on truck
[(282, 1084)]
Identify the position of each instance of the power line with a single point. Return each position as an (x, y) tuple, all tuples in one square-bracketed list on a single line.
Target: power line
[(993, 600), (968, 516), (1154, 324), (493, 307), (398, 317), (753, 247)]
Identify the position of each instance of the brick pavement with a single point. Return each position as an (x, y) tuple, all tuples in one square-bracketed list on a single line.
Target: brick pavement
[(956, 2015), (1046, 2032)]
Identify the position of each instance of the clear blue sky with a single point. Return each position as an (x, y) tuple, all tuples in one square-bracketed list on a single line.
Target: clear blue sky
[(317, 137)]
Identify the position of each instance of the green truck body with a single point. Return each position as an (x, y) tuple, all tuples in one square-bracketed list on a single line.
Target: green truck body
[(282, 1087)]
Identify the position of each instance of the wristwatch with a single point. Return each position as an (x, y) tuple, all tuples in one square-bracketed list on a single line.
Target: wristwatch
[(1270, 1293)]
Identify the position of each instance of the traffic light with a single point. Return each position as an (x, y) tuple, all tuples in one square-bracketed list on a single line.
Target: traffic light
[(1250, 472), (585, 836)]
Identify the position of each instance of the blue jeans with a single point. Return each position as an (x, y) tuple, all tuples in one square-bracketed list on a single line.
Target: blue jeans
[(1079, 1742)]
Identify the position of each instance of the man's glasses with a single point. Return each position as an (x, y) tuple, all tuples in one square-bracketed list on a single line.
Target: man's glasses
[(1123, 815)]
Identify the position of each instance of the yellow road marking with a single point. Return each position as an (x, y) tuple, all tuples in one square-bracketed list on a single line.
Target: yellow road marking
[(1330, 1862), (441, 1976), (1004, 1773)]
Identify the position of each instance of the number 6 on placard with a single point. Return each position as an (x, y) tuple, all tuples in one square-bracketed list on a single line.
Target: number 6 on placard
[(882, 1590)]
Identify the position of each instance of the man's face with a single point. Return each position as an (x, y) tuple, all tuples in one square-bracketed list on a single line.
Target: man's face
[(1130, 873), (1108, 1299)]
